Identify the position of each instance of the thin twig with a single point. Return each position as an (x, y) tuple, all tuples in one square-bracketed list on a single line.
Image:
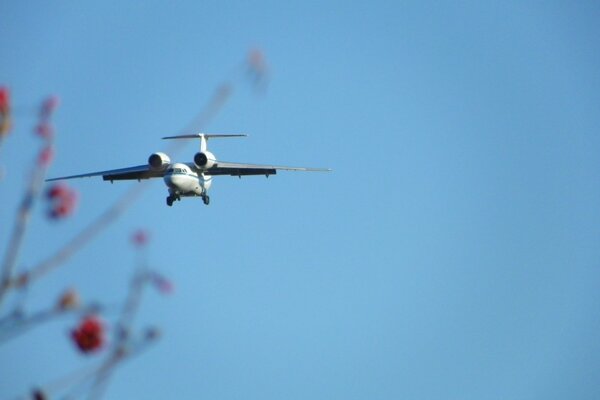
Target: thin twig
[(15, 325), (20, 227)]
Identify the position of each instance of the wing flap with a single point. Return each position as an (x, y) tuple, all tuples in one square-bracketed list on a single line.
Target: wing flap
[(215, 171), (123, 176), (238, 169)]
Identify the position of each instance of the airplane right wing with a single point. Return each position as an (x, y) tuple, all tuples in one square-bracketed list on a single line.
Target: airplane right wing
[(130, 173)]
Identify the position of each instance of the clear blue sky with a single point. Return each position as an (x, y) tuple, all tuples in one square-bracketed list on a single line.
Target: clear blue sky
[(452, 254)]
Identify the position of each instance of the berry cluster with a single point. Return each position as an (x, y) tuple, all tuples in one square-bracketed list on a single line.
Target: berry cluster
[(62, 201), (89, 335)]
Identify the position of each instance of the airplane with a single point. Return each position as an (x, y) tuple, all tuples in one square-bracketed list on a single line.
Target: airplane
[(191, 179)]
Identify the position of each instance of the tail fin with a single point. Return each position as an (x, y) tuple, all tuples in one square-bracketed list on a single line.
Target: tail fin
[(204, 137)]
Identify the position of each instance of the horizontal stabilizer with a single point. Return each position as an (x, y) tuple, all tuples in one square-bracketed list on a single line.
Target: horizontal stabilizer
[(204, 135)]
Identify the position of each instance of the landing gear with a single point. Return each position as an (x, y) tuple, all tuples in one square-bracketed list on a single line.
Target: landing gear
[(175, 197), (171, 198)]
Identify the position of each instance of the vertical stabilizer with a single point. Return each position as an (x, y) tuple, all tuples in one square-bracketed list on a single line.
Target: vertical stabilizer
[(203, 142)]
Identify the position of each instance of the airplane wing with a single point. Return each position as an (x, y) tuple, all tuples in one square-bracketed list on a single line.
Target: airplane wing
[(138, 172), (239, 169)]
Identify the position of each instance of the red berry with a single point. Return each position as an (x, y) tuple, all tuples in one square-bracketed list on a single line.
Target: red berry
[(89, 335)]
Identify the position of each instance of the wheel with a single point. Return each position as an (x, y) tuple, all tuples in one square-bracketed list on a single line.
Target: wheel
[(206, 199), (169, 201)]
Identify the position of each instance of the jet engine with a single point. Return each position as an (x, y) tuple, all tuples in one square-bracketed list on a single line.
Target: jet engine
[(205, 159), (158, 161)]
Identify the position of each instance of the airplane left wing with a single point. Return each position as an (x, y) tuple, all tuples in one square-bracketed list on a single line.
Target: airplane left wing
[(135, 173), (239, 169)]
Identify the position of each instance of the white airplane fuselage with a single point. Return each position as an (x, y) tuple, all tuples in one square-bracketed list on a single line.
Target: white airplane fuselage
[(182, 181)]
